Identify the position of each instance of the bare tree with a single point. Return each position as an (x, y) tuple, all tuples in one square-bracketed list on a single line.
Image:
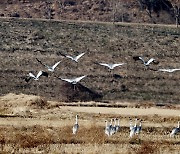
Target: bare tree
[(156, 6), (120, 11), (48, 12), (56, 8), (148, 5), (176, 11)]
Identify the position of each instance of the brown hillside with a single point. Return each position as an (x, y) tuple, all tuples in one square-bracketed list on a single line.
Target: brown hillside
[(94, 10), (22, 41)]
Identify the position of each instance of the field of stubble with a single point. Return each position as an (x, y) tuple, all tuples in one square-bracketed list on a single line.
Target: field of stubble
[(27, 127)]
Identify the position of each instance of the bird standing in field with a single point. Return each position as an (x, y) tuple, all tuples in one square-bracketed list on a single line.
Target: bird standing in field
[(50, 68), (133, 129), (75, 58), (130, 124), (113, 128), (139, 128), (107, 128), (169, 70), (32, 76), (117, 126), (175, 130), (76, 126)]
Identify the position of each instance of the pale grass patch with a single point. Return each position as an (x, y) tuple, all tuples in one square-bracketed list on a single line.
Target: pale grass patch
[(91, 139), (22, 111)]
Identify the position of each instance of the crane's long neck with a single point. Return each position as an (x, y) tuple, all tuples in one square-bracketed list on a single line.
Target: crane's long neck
[(114, 122), (76, 119), (106, 124), (178, 124), (135, 125), (111, 122), (130, 123), (140, 124), (118, 122)]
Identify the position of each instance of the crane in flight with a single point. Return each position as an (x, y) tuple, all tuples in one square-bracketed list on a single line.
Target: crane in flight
[(50, 68), (32, 76)]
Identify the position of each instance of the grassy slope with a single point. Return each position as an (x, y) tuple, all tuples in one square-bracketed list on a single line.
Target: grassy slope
[(24, 40)]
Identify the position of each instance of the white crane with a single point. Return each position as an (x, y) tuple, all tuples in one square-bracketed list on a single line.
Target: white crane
[(32, 76), (75, 58), (50, 68), (113, 128), (117, 126), (133, 130), (139, 128), (110, 125), (175, 130), (130, 124), (107, 128), (169, 70), (111, 66), (76, 126), (73, 80), (148, 62)]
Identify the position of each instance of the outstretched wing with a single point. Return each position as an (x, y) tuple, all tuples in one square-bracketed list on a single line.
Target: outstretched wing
[(79, 78), (150, 61), (120, 64), (169, 70), (39, 74), (41, 62), (104, 64), (28, 79), (67, 80), (32, 75), (164, 70), (140, 58), (55, 65), (176, 69), (70, 57), (62, 54), (79, 56)]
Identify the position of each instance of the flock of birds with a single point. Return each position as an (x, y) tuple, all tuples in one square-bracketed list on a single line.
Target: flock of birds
[(135, 129), (52, 69), (76, 59), (111, 128)]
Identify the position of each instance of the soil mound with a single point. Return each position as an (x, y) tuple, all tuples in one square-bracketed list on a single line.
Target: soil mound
[(78, 92), (21, 100)]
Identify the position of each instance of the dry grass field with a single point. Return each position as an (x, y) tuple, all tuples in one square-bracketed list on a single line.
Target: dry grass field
[(43, 124), (29, 127)]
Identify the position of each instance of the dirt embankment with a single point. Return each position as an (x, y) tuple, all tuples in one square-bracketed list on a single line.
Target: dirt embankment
[(25, 105)]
